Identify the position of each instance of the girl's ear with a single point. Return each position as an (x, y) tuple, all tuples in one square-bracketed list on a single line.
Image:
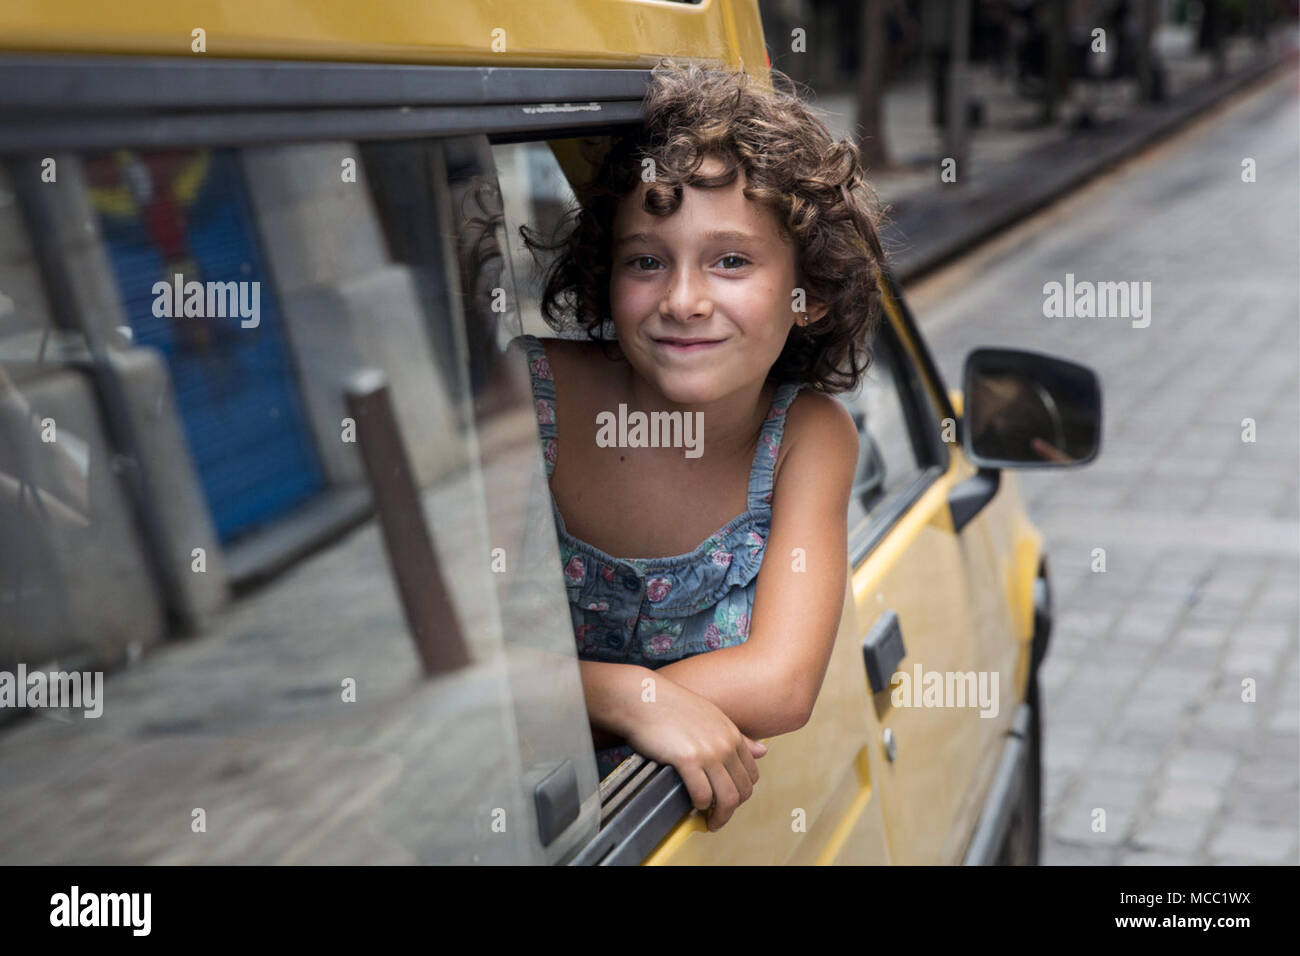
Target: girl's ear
[(817, 309)]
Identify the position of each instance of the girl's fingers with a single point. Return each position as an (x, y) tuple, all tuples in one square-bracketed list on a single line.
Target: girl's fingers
[(755, 747), (698, 786), (725, 795), (736, 767), (747, 761)]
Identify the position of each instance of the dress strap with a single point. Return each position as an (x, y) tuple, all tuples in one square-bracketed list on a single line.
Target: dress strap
[(539, 372), (769, 443)]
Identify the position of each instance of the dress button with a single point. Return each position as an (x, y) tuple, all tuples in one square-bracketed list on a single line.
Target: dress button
[(614, 639), (632, 582)]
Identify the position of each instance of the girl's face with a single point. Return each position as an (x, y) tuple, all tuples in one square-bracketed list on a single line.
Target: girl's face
[(701, 299)]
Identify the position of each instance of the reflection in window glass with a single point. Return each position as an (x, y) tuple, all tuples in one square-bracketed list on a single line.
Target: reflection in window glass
[(537, 195), (180, 458), (178, 217), (554, 734)]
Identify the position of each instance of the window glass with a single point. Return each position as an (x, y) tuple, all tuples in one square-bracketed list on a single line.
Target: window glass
[(932, 422), (191, 446), (887, 453), (550, 709), (536, 194), (169, 213)]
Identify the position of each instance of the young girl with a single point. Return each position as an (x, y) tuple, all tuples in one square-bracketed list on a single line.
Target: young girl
[(732, 242)]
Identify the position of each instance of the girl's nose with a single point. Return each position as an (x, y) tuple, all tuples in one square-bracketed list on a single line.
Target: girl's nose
[(685, 298)]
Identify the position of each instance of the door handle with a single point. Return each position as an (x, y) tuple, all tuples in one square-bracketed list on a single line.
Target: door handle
[(969, 498), (883, 650), (556, 801)]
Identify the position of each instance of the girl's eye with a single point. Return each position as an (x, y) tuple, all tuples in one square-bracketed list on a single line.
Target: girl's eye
[(649, 263)]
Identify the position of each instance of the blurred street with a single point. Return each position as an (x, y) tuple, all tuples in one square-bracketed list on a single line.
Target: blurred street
[(1010, 128), (1017, 163), (1142, 685)]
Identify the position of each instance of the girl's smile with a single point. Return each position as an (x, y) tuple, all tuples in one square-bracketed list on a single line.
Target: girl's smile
[(680, 346)]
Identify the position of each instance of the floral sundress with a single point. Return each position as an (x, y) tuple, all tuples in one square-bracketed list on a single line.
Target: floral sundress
[(653, 611)]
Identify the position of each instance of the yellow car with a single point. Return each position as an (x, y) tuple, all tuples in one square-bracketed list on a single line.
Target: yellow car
[(264, 261)]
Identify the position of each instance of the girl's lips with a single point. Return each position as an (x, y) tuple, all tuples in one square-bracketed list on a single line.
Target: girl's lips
[(688, 345)]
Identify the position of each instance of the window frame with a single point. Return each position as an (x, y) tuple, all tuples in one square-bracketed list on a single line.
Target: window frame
[(85, 102)]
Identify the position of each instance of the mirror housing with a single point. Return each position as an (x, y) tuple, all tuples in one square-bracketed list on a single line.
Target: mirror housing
[(1029, 410)]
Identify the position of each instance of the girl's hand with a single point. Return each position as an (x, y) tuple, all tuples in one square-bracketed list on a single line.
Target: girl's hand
[(715, 760)]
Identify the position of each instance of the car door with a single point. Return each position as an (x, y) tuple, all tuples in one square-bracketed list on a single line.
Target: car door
[(1000, 551), (913, 605)]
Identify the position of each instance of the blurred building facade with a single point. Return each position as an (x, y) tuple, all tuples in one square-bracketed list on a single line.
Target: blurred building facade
[(148, 462)]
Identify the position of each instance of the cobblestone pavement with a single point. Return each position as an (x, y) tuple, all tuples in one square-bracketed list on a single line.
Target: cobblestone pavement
[(1143, 683)]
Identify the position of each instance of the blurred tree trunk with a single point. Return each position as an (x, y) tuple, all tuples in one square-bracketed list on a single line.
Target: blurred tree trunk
[(1056, 84), (1211, 37), (871, 84), (1257, 17), (1149, 85), (957, 92), (822, 38)]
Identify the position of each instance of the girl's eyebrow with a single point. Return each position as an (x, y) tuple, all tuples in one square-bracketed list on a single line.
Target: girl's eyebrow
[(717, 235)]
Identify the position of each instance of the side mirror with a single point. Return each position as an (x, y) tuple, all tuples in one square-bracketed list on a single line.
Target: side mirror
[(1029, 410)]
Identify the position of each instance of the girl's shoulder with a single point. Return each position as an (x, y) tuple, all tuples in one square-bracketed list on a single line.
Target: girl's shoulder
[(819, 423), (813, 409)]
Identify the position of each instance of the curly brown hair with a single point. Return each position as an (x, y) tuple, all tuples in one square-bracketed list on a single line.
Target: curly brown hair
[(814, 184)]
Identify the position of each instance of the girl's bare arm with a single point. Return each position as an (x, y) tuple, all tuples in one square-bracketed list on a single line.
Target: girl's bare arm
[(613, 692)]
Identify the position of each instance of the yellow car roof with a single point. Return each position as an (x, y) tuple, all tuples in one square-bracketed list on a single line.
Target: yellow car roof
[(588, 33)]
